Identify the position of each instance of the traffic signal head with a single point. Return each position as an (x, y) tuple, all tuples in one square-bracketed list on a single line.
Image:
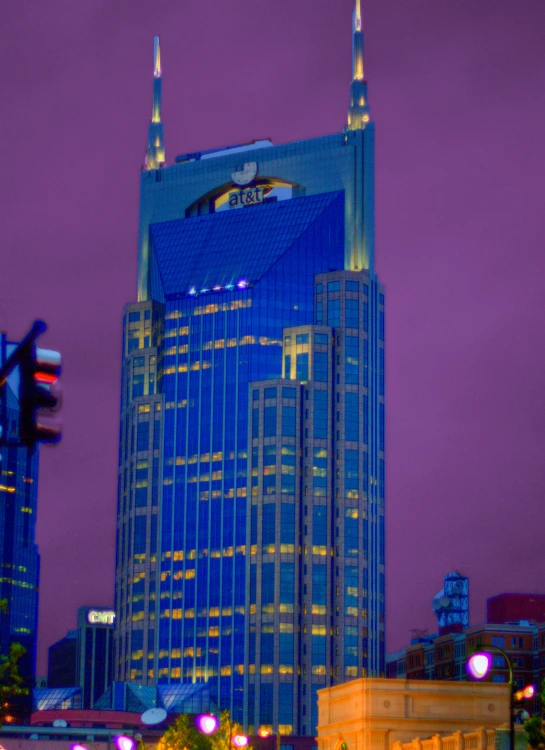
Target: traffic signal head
[(40, 370)]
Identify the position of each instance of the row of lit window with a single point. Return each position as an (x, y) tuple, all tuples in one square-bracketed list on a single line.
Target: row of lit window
[(192, 553), (182, 331), (20, 568), (206, 672), (21, 584), (227, 611), (222, 344), (205, 457), (235, 304), (145, 408), (141, 557)]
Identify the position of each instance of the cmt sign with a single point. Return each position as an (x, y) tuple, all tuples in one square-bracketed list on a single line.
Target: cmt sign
[(100, 617), (248, 197)]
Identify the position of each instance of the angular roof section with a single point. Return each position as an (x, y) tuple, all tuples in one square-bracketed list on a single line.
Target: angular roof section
[(48, 699), (189, 698), (175, 697), (126, 696), (229, 246)]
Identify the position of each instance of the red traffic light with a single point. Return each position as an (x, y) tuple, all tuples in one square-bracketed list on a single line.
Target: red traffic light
[(40, 370)]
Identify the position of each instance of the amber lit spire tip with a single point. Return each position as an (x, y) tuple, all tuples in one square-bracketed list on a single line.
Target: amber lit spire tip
[(358, 114), (156, 58), (357, 16), (155, 155)]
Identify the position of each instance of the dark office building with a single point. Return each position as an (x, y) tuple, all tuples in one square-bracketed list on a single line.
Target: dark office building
[(62, 661), (514, 607), (84, 657)]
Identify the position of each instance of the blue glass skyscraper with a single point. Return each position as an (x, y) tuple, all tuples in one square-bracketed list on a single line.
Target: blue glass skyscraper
[(19, 557), (250, 546)]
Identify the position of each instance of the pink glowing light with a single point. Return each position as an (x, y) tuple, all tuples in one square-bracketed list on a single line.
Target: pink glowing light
[(77, 746), (479, 665), (242, 284), (207, 724), (240, 740), (125, 743)]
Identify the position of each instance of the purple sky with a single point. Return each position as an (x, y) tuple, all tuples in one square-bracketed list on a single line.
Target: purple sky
[(457, 91)]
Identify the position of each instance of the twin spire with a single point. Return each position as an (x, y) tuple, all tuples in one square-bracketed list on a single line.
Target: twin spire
[(358, 113), (155, 155)]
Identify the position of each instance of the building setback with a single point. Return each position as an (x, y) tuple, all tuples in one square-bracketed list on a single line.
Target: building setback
[(250, 546)]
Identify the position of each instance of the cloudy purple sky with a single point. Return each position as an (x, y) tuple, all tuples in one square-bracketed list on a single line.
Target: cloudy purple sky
[(457, 91)]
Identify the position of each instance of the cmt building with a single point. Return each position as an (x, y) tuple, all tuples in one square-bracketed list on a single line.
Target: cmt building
[(82, 660), (250, 534), (19, 557)]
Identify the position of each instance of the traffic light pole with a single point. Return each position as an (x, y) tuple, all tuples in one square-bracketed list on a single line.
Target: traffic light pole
[(21, 351), (38, 327)]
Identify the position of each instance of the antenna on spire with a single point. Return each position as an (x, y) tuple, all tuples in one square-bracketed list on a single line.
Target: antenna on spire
[(357, 16), (358, 114), (155, 155), (156, 58)]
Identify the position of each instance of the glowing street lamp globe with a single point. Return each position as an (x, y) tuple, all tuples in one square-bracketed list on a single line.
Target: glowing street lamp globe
[(125, 743), (240, 740), (526, 693), (479, 665), (207, 724)]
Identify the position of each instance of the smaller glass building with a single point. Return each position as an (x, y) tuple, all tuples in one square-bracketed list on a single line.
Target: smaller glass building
[(19, 557)]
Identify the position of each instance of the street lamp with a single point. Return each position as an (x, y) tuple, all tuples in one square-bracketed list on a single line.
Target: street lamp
[(125, 743), (265, 732), (207, 723), (479, 665)]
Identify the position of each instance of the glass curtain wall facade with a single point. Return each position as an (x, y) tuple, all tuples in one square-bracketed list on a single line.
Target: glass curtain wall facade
[(316, 548), (250, 547), (19, 557)]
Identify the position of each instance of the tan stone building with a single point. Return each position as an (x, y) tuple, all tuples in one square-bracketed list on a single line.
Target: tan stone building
[(373, 714)]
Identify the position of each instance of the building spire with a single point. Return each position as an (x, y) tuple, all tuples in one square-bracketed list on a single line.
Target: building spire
[(358, 114), (155, 155)]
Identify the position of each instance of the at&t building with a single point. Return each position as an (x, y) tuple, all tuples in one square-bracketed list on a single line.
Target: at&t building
[(250, 549)]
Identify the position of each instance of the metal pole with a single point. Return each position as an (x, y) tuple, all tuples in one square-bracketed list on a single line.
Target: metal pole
[(511, 718), (511, 702)]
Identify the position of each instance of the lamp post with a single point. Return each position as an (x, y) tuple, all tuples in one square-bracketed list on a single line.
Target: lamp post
[(264, 733), (479, 665)]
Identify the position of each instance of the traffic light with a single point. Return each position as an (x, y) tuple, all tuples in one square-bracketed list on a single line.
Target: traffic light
[(40, 370)]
